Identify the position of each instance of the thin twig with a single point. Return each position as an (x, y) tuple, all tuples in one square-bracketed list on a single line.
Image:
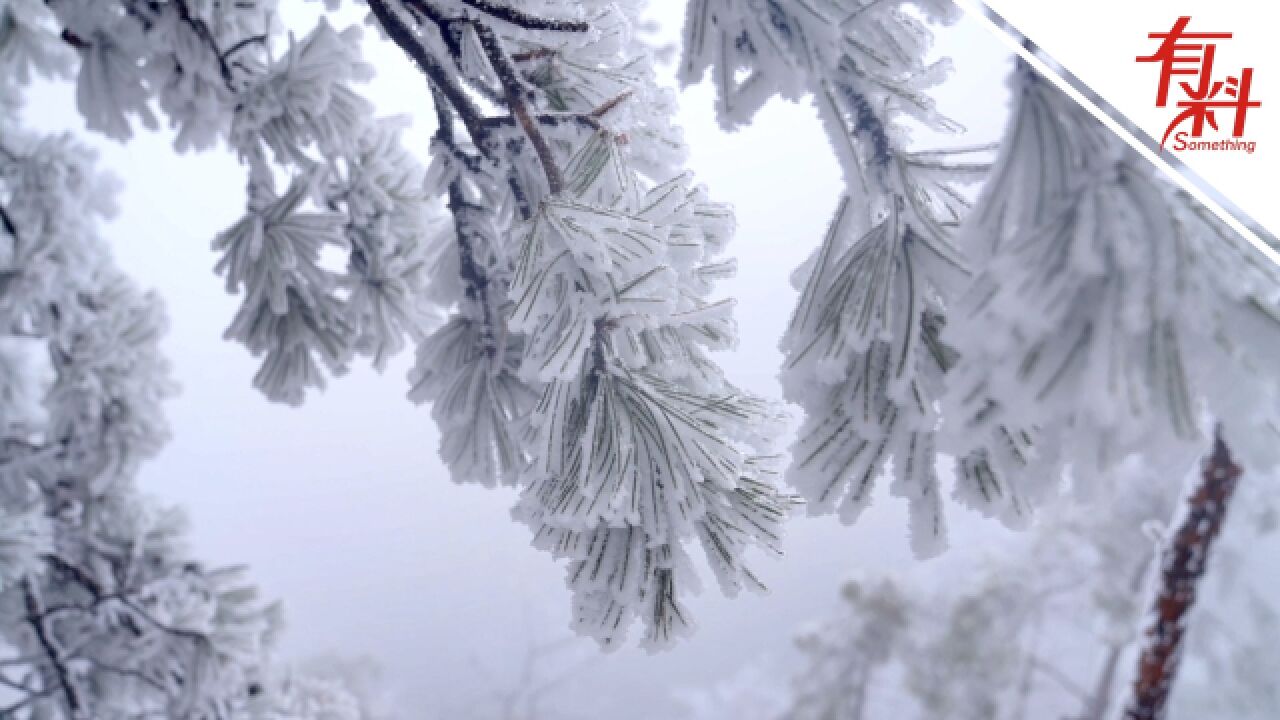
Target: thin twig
[(77, 574), (610, 104), (197, 638), (242, 45), (407, 39), (473, 275), (547, 119), (15, 685), (522, 19), (9, 711), (35, 610), (534, 54), (206, 36), (513, 88)]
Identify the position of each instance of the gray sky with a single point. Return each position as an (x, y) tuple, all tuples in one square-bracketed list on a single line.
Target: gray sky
[(342, 508)]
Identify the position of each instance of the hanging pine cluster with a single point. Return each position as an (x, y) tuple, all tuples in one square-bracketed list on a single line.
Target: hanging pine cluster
[(554, 266), (1112, 312), (576, 365), (104, 612), (863, 353)]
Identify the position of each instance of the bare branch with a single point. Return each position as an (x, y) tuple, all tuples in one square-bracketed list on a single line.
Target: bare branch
[(472, 274), (77, 574), (52, 653), (74, 40), (534, 54)]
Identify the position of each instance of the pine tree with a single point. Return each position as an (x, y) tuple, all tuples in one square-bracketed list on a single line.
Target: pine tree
[(1111, 310), (553, 263), (587, 260), (864, 356), (104, 612), (1049, 626), (574, 273), (845, 655), (1183, 564)]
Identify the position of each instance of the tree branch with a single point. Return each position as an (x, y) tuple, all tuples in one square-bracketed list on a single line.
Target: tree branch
[(519, 18), (1185, 560), (35, 612), (15, 685), (472, 274), (609, 105), (199, 639), (547, 119), (203, 32), (534, 54), (407, 39), (73, 40), (421, 9), (9, 711), (242, 45), (77, 574), (513, 89)]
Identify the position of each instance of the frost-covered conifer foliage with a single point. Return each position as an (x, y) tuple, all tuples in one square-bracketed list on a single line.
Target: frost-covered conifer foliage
[(574, 269), (325, 176), (1111, 312), (576, 363), (1083, 312), (104, 613), (553, 264)]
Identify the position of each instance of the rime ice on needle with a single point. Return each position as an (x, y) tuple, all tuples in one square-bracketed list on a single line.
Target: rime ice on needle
[(892, 315), (642, 446), (561, 301), (864, 358), (104, 612), (586, 259), (1112, 312)]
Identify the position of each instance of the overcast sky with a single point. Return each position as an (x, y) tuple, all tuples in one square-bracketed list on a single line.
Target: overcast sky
[(342, 508)]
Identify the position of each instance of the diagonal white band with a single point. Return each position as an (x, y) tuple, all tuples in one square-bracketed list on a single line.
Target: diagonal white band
[(1138, 139)]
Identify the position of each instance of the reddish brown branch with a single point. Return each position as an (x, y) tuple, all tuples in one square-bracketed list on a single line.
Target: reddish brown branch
[(610, 104), (513, 89), (1184, 564)]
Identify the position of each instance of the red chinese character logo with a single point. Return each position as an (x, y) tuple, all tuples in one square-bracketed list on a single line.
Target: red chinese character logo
[(1191, 54)]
